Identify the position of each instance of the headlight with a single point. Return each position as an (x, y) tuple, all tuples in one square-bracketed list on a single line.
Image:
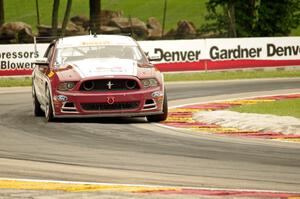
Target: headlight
[(65, 86), (149, 83)]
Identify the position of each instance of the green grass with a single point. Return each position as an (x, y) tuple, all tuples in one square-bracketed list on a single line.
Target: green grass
[(281, 107), (227, 75), (193, 10), (196, 76), (15, 82)]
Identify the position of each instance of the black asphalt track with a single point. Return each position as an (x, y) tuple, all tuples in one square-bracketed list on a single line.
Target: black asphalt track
[(118, 150)]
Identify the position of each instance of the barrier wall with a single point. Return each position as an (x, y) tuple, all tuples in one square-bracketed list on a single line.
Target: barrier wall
[(222, 54), (181, 55)]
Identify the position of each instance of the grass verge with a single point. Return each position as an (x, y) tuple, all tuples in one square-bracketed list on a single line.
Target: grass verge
[(288, 107), (230, 75), (15, 82), (195, 76)]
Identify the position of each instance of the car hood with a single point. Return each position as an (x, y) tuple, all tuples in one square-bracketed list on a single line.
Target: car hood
[(105, 67), (90, 68)]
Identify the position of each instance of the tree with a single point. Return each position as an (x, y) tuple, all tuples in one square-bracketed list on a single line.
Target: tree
[(244, 18), (95, 16), (277, 18), (247, 16), (232, 32), (37, 12), (218, 18), (1, 12), (66, 17), (55, 17)]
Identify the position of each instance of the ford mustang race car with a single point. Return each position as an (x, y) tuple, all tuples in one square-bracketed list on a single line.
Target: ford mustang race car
[(97, 76)]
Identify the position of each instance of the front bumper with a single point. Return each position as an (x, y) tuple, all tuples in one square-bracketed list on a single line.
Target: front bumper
[(142, 102)]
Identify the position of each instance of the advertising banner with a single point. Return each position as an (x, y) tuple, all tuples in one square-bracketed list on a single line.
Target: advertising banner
[(176, 55), (18, 59), (252, 52), (224, 54), (181, 55), (282, 48)]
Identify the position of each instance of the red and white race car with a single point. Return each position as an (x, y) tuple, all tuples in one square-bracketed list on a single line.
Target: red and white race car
[(97, 76)]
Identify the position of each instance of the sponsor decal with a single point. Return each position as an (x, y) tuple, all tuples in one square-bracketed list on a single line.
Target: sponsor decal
[(18, 59), (13, 60), (19, 55), (8, 65), (273, 50), (95, 43), (111, 100), (114, 69), (236, 53), (176, 56), (239, 52), (51, 74), (107, 67), (62, 98), (157, 94)]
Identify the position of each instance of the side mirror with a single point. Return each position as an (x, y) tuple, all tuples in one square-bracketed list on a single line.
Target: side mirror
[(154, 58), (42, 64)]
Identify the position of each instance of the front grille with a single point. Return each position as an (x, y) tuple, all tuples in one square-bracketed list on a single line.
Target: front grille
[(109, 85), (106, 106)]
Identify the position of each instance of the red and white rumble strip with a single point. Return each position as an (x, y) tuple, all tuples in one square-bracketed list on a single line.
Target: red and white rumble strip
[(73, 186), (182, 117)]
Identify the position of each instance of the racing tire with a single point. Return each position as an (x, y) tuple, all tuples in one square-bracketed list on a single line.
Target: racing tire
[(48, 107), (37, 111), (163, 116)]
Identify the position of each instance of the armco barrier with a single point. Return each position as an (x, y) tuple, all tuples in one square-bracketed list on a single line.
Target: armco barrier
[(181, 55)]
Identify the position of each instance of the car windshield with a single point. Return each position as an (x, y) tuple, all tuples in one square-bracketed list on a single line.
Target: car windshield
[(65, 55)]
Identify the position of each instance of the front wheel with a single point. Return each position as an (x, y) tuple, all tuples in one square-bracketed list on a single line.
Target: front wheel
[(48, 107), (163, 116), (36, 105)]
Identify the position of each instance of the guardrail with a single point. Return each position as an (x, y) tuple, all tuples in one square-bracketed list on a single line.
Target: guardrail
[(181, 55)]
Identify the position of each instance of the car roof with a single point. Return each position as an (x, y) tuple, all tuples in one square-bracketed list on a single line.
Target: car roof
[(95, 40)]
